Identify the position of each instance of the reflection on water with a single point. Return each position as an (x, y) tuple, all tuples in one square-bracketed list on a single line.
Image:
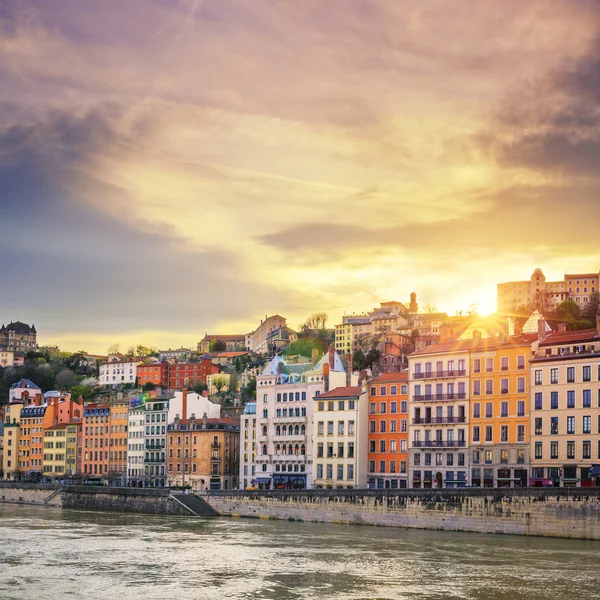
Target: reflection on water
[(49, 553)]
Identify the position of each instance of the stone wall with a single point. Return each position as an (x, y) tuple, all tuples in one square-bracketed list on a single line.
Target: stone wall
[(556, 512), (24, 493)]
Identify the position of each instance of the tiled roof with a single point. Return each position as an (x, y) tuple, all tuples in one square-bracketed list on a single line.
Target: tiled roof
[(231, 354), (342, 392), (565, 337), (25, 383), (224, 338), (441, 348), (384, 377)]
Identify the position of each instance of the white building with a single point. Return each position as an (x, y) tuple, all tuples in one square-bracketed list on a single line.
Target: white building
[(248, 446), (118, 372), (197, 404), (158, 410), (7, 358), (340, 444), (283, 421), (136, 429)]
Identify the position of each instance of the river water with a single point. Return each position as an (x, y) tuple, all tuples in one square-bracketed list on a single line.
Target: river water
[(53, 553)]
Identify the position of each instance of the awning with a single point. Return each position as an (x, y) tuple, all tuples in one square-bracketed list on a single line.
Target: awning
[(594, 471), (508, 478), (263, 479)]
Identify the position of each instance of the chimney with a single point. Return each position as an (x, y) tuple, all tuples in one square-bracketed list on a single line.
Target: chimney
[(192, 421), (326, 377), (184, 403), (541, 329), (204, 421), (331, 358), (362, 380), (348, 370), (476, 336), (562, 327)]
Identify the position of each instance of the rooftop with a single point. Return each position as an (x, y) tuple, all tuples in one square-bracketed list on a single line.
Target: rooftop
[(343, 392), (24, 384), (390, 377), (566, 337)]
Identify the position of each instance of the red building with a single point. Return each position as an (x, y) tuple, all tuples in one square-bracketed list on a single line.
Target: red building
[(388, 431), (155, 372), (185, 374)]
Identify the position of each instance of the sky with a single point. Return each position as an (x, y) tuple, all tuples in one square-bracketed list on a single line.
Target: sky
[(171, 168)]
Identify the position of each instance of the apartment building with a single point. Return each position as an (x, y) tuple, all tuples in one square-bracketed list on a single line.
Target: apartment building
[(11, 441), (439, 410), (248, 447), (565, 417), (136, 428), (155, 438), (340, 438), (499, 411), (388, 431), (55, 452), (118, 371)]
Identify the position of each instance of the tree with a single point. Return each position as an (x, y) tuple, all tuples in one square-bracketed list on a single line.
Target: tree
[(473, 309), (304, 347), (359, 360), (591, 310), (317, 321), (217, 346), (430, 308), (198, 385), (148, 386), (66, 379), (568, 310), (249, 392), (114, 349), (145, 351), (219, 383), (82, 391)]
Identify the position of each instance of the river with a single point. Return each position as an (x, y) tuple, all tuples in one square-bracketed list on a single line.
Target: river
[(48, 553)]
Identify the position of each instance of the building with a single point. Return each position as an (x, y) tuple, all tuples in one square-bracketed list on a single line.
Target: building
[(388, 431), (439, 412), (259, 340), (183, 403), (284, 406), (541, 293), (55, 452), (394, 349), (155, 437), (117, 457), (118, 371), (18, 337), (136, 442), (73, 462), (340, 438), (248, 447), (565, 396), (233, 342), (499, 411), (154, 372), (203, 453), (25, 390), (187, 374), (178, 354), (7, 358), (11, 441), (95, 438)]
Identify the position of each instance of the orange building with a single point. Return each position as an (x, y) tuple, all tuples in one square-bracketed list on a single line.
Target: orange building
[(95, 431), (203, 453), (155, 373), (499, 419), (117, 466), (388, 431), (35, 418), (185, 374)]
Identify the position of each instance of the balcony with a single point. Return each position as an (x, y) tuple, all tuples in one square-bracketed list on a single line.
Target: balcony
[(214, 458), (440, 374), (439, 444), (437, 397), (215, 445), (153, 461), (439, 420)]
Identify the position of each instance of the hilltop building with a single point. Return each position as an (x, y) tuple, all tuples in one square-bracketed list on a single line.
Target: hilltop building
[(18, 337)]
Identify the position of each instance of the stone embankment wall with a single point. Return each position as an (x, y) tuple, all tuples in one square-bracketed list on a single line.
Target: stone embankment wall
[(556, 512), (131, 500)]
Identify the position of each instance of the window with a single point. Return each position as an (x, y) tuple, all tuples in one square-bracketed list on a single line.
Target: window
[(586, 449), (350, 472), (570, 374), (553, 375), (587, 398), (520, 362), (372, 408), (504, 363), (587, 424), (520, 433), (350, 449), (340, 472), (521, 385), (571, 425), (538, 426), (329, 427), (476, 433), (489, 365), (488, 433), (340, 427), (381, 426), (477, 365), (504, 457), (554, 449), (416, 460), (489, 386), (521, 408), (587, 373), (372, 427), (320, 425), (476, 410), (382, 408), (504, 409), (341, 405), (554, 425), (382, 466), (538, 377), (373, 391), (570, 450), (477, 388), (393, 425), (329, 471), (351, 427), (553, 400), (489, 410), (489, 457), (571, 399), (475, 457), (393, 407), (538, 450), (538, 401), (320, 471), (381, 445), (504, 433)]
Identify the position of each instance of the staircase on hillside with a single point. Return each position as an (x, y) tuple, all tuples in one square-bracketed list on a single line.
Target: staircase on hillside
[(194, 505)]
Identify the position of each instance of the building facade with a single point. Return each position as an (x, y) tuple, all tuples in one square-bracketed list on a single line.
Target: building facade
[(136, 442), (186, 374), (565, 402), (439, 412), (155, 453), (118, 372), (248, 447), (340, 438), (388, 431), (18, 337), (152, 372)]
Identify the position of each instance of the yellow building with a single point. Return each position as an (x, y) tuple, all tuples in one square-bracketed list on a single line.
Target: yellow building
[(11, 441), (73, 461), (499, 407), (55, 451)]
